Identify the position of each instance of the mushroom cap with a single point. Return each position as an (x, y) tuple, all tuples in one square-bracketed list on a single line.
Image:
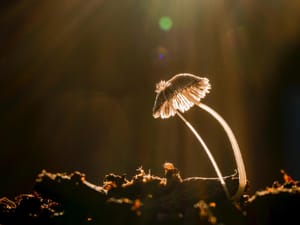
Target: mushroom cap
[(181, 92)]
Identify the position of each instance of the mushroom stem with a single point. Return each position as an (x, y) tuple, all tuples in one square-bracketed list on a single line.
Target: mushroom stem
[(235, 148), (211, 158)]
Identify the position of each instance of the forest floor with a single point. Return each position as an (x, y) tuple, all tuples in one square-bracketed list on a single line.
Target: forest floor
[(63, 199)]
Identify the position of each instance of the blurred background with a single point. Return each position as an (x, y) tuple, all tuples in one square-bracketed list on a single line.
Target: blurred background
[(77, 81)]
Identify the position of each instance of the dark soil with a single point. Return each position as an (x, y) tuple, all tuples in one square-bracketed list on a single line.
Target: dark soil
[(59, 199)]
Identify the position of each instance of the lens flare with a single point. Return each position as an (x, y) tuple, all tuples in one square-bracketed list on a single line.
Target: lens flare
[(162, 52), (165, 23)]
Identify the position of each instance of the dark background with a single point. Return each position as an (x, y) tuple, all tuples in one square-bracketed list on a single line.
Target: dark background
[(77, 81)]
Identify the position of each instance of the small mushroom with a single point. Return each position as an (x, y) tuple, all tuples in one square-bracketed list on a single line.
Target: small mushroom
[(179, 94)]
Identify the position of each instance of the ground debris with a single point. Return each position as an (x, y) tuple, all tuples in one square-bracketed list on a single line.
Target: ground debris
[(68, 198), (276, 204)]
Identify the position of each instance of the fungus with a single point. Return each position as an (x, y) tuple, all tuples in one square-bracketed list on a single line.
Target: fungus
[(177, 96)]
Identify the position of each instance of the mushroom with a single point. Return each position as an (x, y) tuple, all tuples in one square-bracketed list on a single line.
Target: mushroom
[(177, 96)]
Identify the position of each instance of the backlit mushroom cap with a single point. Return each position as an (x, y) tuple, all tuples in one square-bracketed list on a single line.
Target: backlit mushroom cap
[(181, 92)]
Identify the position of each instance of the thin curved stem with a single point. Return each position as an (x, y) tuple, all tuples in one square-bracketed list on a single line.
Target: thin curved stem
[(235, 148), (211, 158)]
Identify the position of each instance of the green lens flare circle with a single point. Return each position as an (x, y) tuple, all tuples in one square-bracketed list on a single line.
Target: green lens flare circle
[(165, 23)]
